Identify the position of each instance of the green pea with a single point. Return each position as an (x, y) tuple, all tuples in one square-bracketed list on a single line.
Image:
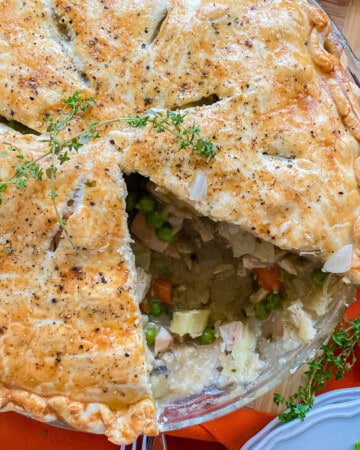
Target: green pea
[(156, 218), (318, 277), (150, 334), (207, 337), (273, 301), (131, 200), (146, 204), (156, 307), (261, 311), (165, 232), (270, 303)]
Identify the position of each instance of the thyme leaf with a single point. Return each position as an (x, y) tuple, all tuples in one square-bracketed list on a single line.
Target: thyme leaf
[(333, 361), (24, 170), (172, 122)]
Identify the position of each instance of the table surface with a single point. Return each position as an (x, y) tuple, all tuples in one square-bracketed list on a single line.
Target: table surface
[(346, 15)]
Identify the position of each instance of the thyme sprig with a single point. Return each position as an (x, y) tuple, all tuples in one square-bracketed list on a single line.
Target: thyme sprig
[(24, 169), (172, 122), (59, 149), (333, 361)]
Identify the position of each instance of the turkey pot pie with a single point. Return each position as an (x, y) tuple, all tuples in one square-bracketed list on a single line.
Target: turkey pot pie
[(228, 258)]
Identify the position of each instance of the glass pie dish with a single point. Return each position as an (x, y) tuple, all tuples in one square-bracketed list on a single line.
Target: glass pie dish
[(279, 355)]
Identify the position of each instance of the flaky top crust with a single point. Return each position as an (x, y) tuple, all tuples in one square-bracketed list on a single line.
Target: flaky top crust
[(71, 340)]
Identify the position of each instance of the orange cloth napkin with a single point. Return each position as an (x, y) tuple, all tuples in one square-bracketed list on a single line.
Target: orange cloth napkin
[(229, 432)]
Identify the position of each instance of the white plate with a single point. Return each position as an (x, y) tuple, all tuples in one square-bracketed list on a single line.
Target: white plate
[(332, 424)]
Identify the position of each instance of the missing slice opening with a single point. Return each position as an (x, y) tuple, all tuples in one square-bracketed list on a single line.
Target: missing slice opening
[(218, 302)]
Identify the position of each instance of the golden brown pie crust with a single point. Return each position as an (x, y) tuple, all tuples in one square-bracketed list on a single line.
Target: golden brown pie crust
[(71, 340)]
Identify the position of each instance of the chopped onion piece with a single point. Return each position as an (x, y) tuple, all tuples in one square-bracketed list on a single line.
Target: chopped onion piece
[(242, 243), (230, 333), (340, 261), (198, 188)]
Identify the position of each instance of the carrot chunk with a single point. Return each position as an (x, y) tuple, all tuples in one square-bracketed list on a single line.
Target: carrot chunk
[(162, 289), (269, 278)]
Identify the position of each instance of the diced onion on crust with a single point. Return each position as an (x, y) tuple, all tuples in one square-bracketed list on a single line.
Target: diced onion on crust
[(198, 188), (340, 261)]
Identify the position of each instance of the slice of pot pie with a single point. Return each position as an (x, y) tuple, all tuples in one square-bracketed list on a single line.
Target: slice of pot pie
[(282, 112), (71, 339), (264, 82)]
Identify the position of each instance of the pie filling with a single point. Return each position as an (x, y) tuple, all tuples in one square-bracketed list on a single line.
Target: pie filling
[(217, 302)]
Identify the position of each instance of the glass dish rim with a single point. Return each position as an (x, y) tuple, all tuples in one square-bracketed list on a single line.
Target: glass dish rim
[(273, 378)]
